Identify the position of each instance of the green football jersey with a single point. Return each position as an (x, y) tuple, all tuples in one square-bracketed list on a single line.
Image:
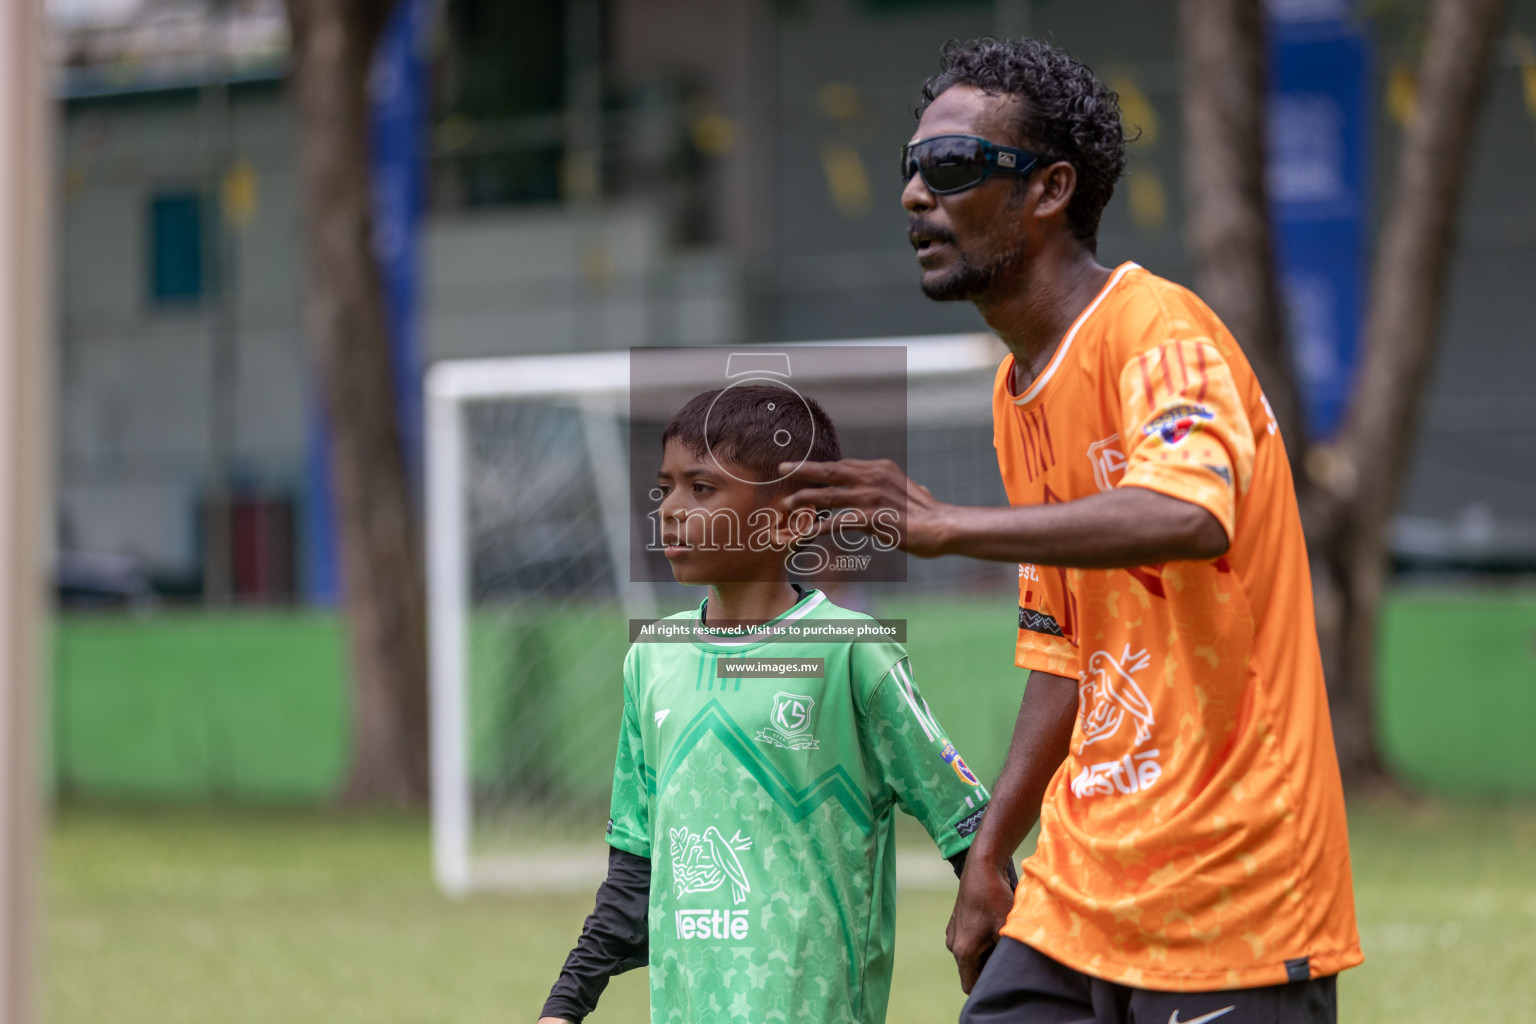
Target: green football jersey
[(766, 807)]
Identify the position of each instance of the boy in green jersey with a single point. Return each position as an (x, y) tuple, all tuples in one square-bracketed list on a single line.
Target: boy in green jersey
[(752, 861)]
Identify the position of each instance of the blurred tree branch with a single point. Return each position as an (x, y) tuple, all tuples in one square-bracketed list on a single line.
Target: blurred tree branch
[(1230, 230), (385, 605), (1354, 487), (1348, 490)]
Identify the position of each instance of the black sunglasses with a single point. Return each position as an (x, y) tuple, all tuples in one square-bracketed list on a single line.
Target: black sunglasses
[(954, 163)]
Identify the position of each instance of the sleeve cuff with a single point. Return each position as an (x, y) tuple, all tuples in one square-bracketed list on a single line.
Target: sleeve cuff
[(563, 1009), (1039, 655), (954, 843), (622, 839), (958, 835), (1188, 483)]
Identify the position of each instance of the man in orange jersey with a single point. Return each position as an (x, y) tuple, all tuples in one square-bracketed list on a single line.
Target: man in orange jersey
[(1174, 741)]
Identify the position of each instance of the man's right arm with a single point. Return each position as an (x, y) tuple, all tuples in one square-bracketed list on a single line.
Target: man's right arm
[(1042, 737)]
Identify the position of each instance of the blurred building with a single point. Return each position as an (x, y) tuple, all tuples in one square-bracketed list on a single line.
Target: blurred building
[(609, 173)]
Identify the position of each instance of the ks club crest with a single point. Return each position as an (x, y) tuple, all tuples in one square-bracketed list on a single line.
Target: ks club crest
[(790, 723)]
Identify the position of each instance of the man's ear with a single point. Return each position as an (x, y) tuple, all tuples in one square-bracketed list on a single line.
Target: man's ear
[(1057, 182)]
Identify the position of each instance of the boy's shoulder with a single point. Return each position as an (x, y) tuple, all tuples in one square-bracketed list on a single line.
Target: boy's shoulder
[(872, 654), (680, 626), (826, 608), (669, 634), (677, 624)]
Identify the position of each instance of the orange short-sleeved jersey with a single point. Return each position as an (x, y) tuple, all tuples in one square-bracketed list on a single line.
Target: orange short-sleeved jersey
[(1194, 839)]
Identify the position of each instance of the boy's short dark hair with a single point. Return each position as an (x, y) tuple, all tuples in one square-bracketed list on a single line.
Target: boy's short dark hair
[(1068, 114), (742, 422)]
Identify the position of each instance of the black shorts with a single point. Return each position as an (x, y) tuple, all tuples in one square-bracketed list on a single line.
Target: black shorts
[(1021, 985)]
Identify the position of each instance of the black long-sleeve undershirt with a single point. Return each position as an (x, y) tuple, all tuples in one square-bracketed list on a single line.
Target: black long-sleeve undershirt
[(614, 938)]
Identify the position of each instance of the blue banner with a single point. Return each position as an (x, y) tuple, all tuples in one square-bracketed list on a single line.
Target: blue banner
[(1319, 143), (397, 123)]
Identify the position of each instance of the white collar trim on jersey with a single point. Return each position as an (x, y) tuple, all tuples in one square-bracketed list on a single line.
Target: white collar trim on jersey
[(705, 635), (1066, 343)]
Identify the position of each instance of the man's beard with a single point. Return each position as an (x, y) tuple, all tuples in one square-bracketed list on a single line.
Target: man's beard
[(967, 280)]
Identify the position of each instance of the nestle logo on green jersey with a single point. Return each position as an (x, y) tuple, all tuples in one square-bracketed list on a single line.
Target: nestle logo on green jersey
[(729, 925)]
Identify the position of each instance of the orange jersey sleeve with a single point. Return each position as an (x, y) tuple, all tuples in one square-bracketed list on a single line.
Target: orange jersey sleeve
[(1186, 432), (1045, 603)]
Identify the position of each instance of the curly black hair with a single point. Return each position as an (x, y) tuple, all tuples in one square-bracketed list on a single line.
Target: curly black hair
[(1067, 113)]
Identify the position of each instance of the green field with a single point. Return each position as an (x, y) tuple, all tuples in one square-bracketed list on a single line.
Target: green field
[(188, 916)]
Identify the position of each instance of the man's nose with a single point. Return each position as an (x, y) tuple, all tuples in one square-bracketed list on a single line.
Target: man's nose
[(915, 197)]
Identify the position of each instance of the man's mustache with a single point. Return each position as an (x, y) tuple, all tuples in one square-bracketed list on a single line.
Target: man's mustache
[(917, 229)]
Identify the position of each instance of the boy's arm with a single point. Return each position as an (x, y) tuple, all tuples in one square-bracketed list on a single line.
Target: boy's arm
[(613, 940), (913, 755), (615, 937)]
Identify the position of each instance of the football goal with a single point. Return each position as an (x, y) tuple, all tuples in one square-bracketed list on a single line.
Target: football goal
[(531, 529)]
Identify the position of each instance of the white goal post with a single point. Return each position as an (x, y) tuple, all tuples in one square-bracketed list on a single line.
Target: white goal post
[(529, 453)]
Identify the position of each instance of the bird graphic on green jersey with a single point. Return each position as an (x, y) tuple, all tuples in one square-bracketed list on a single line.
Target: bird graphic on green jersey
[(702, 863)]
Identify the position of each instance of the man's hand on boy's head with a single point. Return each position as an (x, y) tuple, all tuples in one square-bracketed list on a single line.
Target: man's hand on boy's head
[(867, 487)]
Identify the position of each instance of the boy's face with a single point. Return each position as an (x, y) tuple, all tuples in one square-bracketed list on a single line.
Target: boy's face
[(715, 528)]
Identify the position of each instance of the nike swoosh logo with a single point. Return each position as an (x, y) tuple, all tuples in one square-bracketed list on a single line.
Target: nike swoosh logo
[(661, 716), (1173, 1018)]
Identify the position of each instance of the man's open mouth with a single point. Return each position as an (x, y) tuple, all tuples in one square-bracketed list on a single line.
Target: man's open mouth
[(926, 242)]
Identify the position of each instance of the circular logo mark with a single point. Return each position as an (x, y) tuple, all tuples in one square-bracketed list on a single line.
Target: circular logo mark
[(796, 450)]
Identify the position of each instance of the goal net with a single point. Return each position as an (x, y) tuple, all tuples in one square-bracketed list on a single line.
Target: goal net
[(530, 530)]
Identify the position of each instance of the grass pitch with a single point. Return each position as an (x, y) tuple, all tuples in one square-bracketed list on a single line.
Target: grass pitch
[(165, 917)]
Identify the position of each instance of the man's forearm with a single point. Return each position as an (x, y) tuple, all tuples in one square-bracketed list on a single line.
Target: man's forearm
[(1125, 527), (1042, 736)]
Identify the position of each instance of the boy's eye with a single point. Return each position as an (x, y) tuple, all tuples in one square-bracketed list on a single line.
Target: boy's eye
[(701, 488)]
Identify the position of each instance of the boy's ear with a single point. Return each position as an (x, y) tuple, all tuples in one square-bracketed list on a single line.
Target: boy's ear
[(796, 525), (780, 533)]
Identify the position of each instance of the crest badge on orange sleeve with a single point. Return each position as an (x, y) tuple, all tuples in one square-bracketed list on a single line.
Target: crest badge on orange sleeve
[(1177, 423)]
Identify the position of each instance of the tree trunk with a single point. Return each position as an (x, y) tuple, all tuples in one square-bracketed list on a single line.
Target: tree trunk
[(332, 50), (1348, 490), (1361, 480), (1225, 99)]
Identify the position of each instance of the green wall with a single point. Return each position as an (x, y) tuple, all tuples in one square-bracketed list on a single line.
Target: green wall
[(248, 706), (253, 706), (1456, 710)]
